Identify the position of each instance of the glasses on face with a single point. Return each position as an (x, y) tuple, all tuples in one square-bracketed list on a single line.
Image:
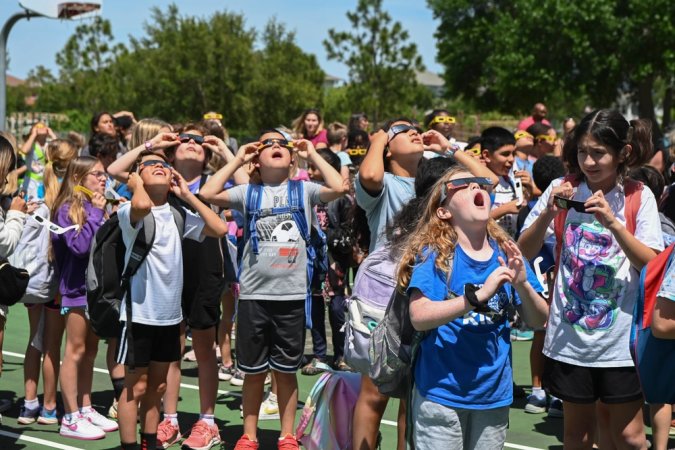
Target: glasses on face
[(98, 174), (395, 130), (270, 142), (475, 151), (357, 151), (442, 119), (154, 162), (185, 138), (545, 137), (462, 183), (213, 116), (522, 135)]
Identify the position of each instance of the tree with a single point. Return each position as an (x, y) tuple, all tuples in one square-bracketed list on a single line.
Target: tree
[(381, 63), (508, 55)]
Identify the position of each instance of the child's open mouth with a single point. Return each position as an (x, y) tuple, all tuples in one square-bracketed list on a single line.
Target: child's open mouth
[(277, 154), (158, 172), (478, 199)]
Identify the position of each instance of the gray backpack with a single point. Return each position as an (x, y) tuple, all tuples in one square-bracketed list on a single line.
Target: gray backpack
[(393, 345)]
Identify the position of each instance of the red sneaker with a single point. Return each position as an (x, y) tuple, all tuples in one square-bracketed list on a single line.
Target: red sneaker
[(244, 443), (202, 437), (288, 443), (167, 434)]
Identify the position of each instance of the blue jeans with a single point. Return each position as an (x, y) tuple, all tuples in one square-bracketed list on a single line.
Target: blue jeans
[(336, 318)]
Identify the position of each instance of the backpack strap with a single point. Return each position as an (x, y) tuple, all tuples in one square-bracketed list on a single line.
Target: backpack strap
[(559, 221), (179, 219), (633, 192), (253, 201)]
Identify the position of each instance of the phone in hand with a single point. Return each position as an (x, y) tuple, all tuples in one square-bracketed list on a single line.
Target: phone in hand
[(567, 203), (518, 187)]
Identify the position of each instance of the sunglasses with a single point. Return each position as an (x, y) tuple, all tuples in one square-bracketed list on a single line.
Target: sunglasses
[(154, 162), (357, 151), (522, 135), (213, 116), (547, 138), (398, 129), (442, 119), (462, 183), (184, 138), (54, 228), (270, 142), (475, 151), (90, 194), (566, 203)]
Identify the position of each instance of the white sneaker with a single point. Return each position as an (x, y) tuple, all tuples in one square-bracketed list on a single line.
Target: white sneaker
[(269, 409), (100, 420), (80, 428)]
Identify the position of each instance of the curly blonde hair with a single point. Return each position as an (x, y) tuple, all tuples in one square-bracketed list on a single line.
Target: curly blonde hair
[(433, 234)]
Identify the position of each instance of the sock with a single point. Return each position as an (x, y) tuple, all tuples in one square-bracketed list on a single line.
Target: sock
[(208, 418), (68, 417), (118, 386), (129, 446), (31, 404), (172, 417), (86, 409), (538, 392), (148, 441)]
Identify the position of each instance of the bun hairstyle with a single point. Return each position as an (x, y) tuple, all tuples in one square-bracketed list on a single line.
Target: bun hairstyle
[(630, 141), (59, 154)]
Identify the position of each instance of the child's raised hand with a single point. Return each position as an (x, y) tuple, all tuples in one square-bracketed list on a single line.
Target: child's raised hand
[(499, 276), (303, 148), (98, 200), (18, 204), (215, 144), (435, 141), (515, 263), (164, 140), (178, 185), (512, 207), (564, 190), (134, 181), (380, 137), (524, 176), (597, 204), (248, 152)]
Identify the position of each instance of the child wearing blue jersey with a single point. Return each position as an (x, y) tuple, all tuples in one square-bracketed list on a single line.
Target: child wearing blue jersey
[(463, 376)]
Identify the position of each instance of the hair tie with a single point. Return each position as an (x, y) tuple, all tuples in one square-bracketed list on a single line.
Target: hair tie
[(629, 134)]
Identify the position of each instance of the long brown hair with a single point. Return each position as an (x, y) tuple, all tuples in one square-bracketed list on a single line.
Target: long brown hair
[(59, 154), (433, 234), (75, 173), (8, 159)]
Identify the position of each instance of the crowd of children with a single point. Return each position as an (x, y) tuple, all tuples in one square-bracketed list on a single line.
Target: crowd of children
[(512, 231)]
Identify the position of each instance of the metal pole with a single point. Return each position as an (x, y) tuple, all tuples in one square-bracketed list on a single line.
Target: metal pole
[(7, 27)]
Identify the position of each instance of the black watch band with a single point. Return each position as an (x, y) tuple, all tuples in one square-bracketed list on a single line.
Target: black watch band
[(470, 295)]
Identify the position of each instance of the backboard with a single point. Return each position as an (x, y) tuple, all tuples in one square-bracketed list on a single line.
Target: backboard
[(58, 9)]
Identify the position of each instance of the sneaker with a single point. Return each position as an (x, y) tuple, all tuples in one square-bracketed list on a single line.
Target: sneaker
[(288, 443), (112, 411), (237, 378), (80, 428), (167, 434), (47, 417), (535, 405), (28, 416), (268, 378), (225, 373), (311, 369), (190, 356), (556, 408), (342, 366), (244, 443), (100, 420), (521, 335), (202, 436), (269, 408)]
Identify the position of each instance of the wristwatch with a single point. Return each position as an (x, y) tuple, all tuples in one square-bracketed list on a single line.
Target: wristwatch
[(148, 145), (470, 295)]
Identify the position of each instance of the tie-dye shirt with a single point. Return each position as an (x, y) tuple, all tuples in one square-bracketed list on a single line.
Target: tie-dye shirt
[(596, 287)]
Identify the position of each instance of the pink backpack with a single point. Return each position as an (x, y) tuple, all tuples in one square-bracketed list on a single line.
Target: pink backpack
[(329, 409)]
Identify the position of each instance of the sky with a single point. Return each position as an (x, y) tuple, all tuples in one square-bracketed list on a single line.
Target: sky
[(37, 41)]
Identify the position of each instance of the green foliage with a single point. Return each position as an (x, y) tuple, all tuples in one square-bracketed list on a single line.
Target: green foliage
[(381, 63), (510, 54)]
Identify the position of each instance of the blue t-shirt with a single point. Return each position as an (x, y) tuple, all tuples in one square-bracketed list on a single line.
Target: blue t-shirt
[(466, 363), (381, 208)]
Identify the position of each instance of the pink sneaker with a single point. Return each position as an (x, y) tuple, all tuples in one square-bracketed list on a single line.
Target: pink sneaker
[(202, 436), (167, 434), (244, 443), (288, 443)]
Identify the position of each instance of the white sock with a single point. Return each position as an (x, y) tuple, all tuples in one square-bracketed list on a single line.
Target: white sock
[(31, 404), (86, 409), (538, 392), (208, 418), (172, 417)]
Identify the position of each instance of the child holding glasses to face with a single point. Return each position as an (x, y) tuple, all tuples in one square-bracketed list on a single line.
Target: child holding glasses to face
[(273, 281), (463, 376)]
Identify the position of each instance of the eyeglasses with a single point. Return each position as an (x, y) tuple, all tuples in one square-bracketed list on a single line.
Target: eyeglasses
[(475, 151), (90, 194), (154, 162), (442, 119), (184, 138), (98, 174), (357, 151), (395, 130), (270, 142), (213, 116), (462, 183), (522, 135), (545, 137)]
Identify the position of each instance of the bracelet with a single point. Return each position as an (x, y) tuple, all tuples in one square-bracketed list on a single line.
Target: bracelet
[(148, 145), (470, 295)]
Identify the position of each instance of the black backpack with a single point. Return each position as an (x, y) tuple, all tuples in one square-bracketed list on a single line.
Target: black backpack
[(108, 279)]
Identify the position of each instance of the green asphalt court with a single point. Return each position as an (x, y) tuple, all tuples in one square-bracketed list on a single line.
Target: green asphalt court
[(526, 431)]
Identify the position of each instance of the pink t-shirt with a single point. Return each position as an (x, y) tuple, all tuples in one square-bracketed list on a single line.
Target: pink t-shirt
[(321, 136), (528, 121)]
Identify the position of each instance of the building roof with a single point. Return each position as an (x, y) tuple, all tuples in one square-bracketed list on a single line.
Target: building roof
[(429, 79), (14, 81)]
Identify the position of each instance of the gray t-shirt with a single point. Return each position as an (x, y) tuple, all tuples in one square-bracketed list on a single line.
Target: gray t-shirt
[(279, 270), (381, 209)]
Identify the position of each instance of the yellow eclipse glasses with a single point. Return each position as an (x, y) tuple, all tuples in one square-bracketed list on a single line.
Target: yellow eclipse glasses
[(213, 116), (357, 151), (520, 134), (545, 137), (475, 151), (442, 119)]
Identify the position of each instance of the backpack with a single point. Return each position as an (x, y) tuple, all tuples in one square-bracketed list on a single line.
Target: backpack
[(373, 287), (107, 278), (32, 253), (654, 357), (394, 343), (315, 239), (330, 409), (339, 234)]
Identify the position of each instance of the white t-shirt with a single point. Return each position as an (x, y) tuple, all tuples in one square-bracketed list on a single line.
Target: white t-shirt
[(596, 287), (505, 192), (157, 286)]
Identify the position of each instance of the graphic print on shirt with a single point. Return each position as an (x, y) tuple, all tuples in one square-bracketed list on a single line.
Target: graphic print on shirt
[(497, 305), (279, 229), (590, 290)]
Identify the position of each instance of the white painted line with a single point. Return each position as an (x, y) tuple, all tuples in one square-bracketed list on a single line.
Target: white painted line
[(33, 440), (237, 394)]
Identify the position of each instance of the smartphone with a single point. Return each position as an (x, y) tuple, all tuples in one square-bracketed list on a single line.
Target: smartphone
[(518, 187), (566, 203)]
